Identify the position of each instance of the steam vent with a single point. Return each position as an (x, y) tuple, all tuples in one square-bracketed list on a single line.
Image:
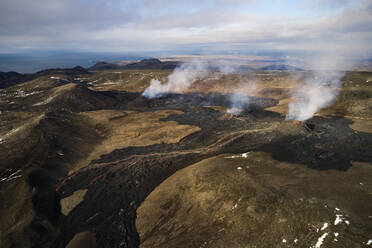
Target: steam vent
[(185, 124)]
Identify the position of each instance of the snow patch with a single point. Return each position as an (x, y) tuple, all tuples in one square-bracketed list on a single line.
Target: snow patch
[(243, 155), (21, 93), (325, 225), (12, 176), (339, 219), (320, 240), (109, 83), (235, 206)]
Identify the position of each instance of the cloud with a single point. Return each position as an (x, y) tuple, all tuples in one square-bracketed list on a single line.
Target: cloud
[(164, 25), (327, 4)]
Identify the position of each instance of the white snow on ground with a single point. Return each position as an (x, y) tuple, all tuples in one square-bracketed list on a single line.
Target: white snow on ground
[(235, 206), (12, 176), (295, 241), (339, 219), (21, 93), (14, 131), (234, 156), (10, 133), (1, 141), (324, 226), (284, 241), (243, 155), (109, 83), (239, 168), (320, 240), (336, 235), (54, 78), (337, 209), (369, 242)]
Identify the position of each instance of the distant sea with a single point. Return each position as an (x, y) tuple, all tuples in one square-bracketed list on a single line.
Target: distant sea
[(30, 63)]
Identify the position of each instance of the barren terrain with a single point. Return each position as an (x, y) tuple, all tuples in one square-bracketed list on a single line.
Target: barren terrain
[(87, 161)]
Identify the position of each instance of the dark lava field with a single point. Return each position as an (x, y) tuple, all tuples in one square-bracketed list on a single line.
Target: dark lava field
[(87, 161)]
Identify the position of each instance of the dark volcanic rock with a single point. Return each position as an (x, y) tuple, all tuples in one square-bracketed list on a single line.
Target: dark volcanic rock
[(11, 78), (143, 64), (8, 79), (71, 71), (104, 66), (152, 64)]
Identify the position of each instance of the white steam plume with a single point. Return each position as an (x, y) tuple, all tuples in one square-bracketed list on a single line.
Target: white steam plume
[(181, 79), (321, 89), (317, 92), (240, 99)]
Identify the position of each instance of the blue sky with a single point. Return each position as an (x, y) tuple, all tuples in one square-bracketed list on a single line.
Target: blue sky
[(210, 26)]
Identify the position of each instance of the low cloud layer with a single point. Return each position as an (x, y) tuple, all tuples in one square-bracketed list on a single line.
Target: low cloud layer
[(170, 26)]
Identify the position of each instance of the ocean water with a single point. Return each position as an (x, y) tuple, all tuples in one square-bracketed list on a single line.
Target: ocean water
[(30, 63)]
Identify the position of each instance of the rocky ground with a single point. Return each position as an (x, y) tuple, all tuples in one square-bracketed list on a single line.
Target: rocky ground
[(89, 162)]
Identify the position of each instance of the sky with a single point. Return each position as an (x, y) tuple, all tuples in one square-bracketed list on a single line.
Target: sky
[(176, 26)]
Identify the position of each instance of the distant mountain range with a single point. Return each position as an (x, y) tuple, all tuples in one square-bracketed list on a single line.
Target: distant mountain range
[(151, 63), (8, 79), (11, 78), (280, 67)]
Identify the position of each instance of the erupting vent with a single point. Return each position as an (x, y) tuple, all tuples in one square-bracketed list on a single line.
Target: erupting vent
[(307, 125)]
